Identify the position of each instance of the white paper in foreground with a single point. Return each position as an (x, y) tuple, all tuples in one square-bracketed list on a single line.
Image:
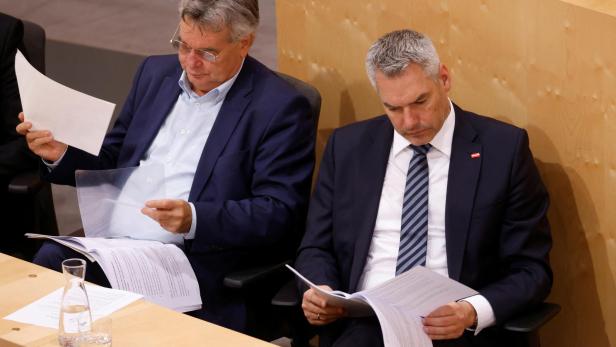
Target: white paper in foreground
[(45, 311), (74, 118)]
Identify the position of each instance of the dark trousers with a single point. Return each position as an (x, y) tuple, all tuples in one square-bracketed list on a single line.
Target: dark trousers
[(52, 254), (355, 332)]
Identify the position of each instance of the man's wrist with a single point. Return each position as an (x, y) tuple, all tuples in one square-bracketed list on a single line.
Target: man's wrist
[(472, 314)]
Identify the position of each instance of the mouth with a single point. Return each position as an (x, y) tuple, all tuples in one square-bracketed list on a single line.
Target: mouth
[(415, 133), (198, 76)]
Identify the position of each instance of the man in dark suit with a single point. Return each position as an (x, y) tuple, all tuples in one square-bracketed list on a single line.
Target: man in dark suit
[(237, 143), (426, 184), (14, 154)]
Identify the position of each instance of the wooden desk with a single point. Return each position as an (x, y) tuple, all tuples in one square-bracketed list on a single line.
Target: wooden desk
[(139, 324)]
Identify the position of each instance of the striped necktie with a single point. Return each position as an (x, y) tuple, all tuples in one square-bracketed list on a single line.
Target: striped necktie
[(414, 228)]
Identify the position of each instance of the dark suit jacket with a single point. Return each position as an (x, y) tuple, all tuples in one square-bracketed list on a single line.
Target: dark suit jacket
[(252, 182), (497, 235), (15, 156)]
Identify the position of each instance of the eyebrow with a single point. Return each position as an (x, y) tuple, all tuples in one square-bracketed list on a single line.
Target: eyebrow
[(209, 49), (420, 97)]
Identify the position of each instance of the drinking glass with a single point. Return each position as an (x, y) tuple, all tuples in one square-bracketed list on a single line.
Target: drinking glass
[(99, 335)]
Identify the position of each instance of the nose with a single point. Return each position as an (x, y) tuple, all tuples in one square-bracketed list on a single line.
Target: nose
[(410, 118), (193, 59)]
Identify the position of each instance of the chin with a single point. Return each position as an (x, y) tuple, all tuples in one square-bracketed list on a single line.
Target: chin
[(419, 140)]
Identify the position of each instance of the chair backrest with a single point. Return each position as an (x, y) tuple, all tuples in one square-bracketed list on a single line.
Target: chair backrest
[(33, 45), (260, 282), (310, 92), (30, 194)]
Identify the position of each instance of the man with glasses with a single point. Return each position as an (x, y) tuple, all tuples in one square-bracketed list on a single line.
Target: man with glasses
[(236, 141)]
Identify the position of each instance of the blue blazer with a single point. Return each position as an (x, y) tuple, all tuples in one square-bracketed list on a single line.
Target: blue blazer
[(497, 234), (252, 182)]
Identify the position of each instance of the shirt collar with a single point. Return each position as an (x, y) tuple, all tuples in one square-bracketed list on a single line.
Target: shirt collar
[(441, 141), (217, 94)]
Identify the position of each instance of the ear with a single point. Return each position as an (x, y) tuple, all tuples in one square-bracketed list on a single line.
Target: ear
[(444, 77), (246, 43)]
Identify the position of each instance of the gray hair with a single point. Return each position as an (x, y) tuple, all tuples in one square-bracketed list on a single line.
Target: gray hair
[(393, 52), (241, 16)]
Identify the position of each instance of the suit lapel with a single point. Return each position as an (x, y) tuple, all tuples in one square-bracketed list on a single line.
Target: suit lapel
[(371, 165), (228, 117), (464, 169), (159, 110)]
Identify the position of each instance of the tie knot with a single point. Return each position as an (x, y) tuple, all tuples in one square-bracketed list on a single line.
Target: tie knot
[(423, 149)]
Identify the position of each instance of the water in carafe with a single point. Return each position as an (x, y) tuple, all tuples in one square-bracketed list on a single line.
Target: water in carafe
[(75, 316)]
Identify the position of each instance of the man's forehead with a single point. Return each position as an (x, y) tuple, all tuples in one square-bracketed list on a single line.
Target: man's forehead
[(190, 27), (402, 90)]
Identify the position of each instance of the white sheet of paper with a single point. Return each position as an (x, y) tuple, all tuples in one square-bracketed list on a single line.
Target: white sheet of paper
[(355, 306), (74, 118), (45, 311)]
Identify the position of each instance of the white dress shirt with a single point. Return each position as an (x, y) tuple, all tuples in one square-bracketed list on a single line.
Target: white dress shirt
[(383, 253)]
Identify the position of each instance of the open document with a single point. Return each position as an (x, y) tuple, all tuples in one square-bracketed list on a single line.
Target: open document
[(45, 311), (400, 303), (75, 118), (110, 202), (160, 272)]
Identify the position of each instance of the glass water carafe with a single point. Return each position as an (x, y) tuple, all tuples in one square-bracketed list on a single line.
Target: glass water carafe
[(75, 316)]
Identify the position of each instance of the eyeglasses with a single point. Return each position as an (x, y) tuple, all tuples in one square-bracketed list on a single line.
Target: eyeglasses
[(184, 48)]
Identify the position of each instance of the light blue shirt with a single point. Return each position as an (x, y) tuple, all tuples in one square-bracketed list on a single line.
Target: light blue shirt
[(181, 138)]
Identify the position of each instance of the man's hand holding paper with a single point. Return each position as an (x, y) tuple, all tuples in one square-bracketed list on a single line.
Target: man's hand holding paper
[(317, 310), (131, 202), (449, 321), (75, 118), (41, 142), (173, 215)]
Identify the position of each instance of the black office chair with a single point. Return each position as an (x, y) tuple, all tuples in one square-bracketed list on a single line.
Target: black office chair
[(264, 321), (27, 189), (524, 328)]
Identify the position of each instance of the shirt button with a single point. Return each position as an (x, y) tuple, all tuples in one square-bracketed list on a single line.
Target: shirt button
[(183, 131)]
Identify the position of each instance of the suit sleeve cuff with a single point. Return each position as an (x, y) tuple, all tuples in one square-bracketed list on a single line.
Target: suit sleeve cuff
[(485, 314), (52, 165), (193, 225)]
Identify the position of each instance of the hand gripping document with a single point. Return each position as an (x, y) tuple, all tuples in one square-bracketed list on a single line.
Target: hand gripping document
[(136, 254), (73, 117), (110, 202), (399, 303)]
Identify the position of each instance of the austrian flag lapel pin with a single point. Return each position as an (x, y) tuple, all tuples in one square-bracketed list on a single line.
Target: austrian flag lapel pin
[(475, 155)]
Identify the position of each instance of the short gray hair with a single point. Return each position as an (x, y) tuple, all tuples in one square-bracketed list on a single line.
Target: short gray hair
[(393, 52), (241, 16)]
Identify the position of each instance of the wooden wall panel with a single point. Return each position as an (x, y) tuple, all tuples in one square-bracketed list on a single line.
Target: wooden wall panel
[(546, 65)]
